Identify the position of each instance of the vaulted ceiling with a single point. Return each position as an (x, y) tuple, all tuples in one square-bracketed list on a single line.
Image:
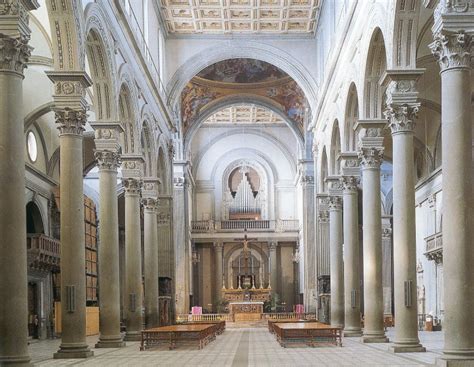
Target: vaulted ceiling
[(244, 114), (240, 16), (243, 81)]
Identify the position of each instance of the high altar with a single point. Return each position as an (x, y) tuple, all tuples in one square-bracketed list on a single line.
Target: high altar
[(246, 302)]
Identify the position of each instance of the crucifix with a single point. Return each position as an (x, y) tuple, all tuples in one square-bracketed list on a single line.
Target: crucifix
[(246, 255), (246, 241)]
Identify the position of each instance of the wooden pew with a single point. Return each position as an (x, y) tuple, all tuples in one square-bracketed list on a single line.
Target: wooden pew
[(202, 334), (272, 322), (309, 333)]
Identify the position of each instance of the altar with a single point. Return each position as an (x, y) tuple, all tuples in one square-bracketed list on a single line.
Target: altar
[(246, 311)]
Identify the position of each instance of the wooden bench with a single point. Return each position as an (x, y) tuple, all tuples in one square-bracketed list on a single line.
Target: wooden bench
[(219, 323), (202, 334), (285, 321), (309, 333)]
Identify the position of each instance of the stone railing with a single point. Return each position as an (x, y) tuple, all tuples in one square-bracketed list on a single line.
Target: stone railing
[(289, 315), (43, 252), (229, 317), (205, 317), (434, 247), (210, 226)]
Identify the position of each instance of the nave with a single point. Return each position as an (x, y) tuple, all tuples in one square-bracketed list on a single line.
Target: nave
[(248, 346)]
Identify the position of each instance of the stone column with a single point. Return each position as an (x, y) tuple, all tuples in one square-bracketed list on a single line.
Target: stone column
[(133, 250), (70, 112), (323, 263), (150, 205), (108, 160), (452, 47), (181, 240), (350, 181), (371, 154), (387, 265), (308, 235), (336, 263), (14, 54), (272, 247), (219, 275), (402, 107)]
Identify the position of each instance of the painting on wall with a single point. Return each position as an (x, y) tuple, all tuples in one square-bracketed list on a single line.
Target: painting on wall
[(263, 80), (242, 71), (292, 98)]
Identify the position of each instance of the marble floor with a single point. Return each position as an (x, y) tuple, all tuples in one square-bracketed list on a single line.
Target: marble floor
[(247, 347)]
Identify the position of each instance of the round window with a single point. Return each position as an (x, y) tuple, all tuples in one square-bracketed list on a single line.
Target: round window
[(32, 146)]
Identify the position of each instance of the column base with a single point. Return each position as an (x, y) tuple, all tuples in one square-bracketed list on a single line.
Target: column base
[(73, 351), (407, 348), (350, 333), (379, 338), (456, 358), (17, 361), (133, 336), (110, 342), (440, 362)]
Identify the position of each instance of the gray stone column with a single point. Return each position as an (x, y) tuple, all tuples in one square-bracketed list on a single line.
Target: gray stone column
[(323, 263), (219, 275), (108, 160), (371, 153), (70, 111), (308, 236), (337, 267), (402, 107), (352, 294), (387, 270), (452, 47), (150, 257), (14, 54), (181, 240), (133, 250), (272, 248)]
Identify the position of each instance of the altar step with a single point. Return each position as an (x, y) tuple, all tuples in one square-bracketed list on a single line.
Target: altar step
[(246, 324)]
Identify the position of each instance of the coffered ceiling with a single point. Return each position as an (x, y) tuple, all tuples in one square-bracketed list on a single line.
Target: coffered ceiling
[(240, 16), (244, 114)]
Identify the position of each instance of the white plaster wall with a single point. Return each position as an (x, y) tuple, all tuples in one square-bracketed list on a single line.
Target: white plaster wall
[(273, 149)]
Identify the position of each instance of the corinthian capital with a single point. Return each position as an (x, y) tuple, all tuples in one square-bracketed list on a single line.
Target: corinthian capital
[(335, 203), (70, 121), (107, 160), (350, 184), (133, 186), (150, 204), (14, 54), (402, 99), (452, 49), (401, 118), (371, 157)]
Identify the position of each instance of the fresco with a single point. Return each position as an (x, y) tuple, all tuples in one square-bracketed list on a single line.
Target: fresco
[(242, 71), (283, 90), (193, 98), (291, 97)]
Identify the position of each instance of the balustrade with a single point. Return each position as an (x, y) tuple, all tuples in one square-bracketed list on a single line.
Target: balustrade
[(434, 247), (43, 251), (283, 225)]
